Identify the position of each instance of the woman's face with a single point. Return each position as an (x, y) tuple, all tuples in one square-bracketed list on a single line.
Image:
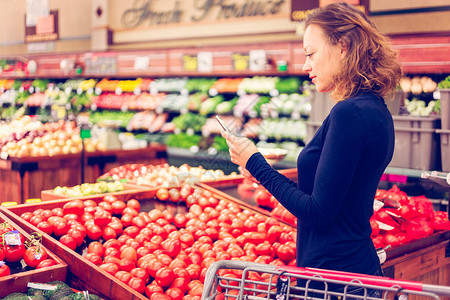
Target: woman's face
[(322, 59)]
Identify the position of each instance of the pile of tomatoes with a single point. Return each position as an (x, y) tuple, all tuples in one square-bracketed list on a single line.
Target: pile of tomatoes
[(30, 251), (165, 255)]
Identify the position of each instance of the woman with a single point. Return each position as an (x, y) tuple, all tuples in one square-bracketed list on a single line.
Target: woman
[(340, 168)]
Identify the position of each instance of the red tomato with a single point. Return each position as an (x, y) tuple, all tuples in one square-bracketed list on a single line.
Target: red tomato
[(286, 253), (112, 243), (77, 235), (27, 216), (36, 219), (112, 259), (153, 266), (164, 277), (175, 293), (130, 211), (137, 284), (58, 212), (106, 206), (110, 268), (97, 248), (110, 198), (109, 233), (60, 227), (46, 263), (194, 271), (45, 227), (34, 255), (4, 269), (74, 207), (140, 273), (14, 253), (112, 251), (172, 247), (2, 254), (93, 258), (133, 203), (102, 217), (129, 253), (123, 276), (152, 289), (118, 207), (126, 265), (68, 241), (94, 232), (89, 203), (162, 194)]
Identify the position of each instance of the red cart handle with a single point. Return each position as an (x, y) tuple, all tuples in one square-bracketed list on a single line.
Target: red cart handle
[(348, 277)]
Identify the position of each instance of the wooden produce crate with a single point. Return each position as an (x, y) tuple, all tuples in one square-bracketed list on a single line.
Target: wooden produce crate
[(17, 283), (128, 189), (93, 278)]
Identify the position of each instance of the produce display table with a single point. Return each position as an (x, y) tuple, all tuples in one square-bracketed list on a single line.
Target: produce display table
[(25, 178)]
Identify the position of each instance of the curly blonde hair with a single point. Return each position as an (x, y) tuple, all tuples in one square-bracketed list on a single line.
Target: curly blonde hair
[(370, 63)]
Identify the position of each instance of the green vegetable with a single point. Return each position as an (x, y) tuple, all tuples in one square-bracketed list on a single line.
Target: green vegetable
[(288, 85), (189, 120), (183, 140), (444, 84), (209, 105)]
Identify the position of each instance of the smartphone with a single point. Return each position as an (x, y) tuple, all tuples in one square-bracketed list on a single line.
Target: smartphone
[(222, 123)]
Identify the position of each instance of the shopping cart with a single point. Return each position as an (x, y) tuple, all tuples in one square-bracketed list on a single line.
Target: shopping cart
[(253, 281)]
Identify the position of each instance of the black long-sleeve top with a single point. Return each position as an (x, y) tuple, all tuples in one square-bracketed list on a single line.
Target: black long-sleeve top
[(338, 174)]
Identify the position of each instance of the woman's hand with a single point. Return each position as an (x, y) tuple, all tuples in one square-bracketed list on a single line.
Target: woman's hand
[(241, 148), (247, 174)]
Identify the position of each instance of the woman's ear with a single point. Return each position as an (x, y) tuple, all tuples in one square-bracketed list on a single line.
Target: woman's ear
[(343, 48)]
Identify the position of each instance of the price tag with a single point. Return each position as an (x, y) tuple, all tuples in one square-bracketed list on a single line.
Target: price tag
[(177, 131), (2, 89), (124, 108), (184, 92), (90, 91), (118, 91), (31, 90), (205, 62), (93, 107), (190, 63), (238, 114), (213, 92), (3, 155), (159, 110), (21, 89), (295, 115), (68, 106), (79, 91), (41, 286), (240, 61), (12, 238), (68, 90), (262, 137), (190, 131), (252, 114), (184, 111), (137, 91), (98, 91), (153, 90), (194, 149), (274, 93), (57, 89), (37, 90), (274, 114), (436, 95), (241, 93)]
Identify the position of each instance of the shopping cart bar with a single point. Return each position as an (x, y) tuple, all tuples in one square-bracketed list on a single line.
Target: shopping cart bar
[(317, 283)]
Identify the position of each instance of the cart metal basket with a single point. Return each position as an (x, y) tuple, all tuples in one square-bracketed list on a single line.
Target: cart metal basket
[(252, 281)]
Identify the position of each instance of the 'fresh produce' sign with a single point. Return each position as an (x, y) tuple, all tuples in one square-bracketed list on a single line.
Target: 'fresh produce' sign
[(151, 13)]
